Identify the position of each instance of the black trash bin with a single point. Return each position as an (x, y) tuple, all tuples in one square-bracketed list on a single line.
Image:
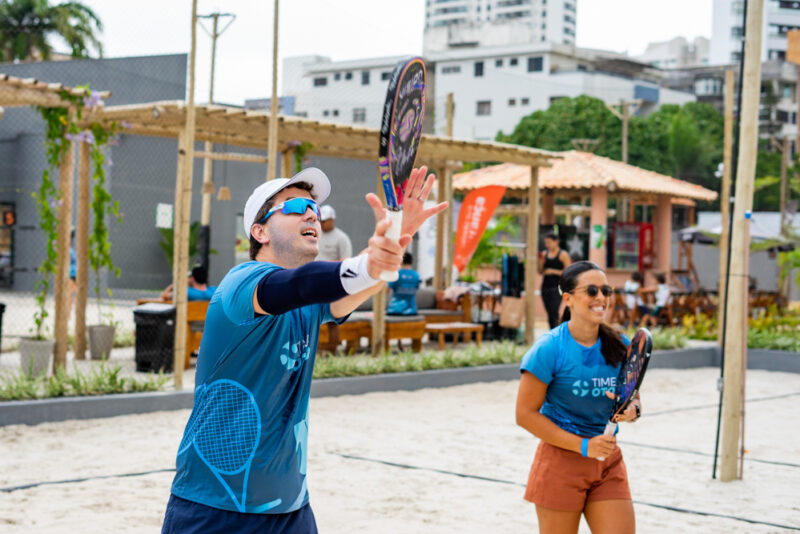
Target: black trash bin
[(155, 337)]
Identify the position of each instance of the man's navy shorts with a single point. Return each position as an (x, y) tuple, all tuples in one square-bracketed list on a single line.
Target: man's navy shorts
[(187, 517)]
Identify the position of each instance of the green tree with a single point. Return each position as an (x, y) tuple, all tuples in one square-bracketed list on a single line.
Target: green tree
[(27, 25)]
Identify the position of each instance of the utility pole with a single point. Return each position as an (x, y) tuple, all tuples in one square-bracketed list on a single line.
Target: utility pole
[(444, 219), (627, 109), (273, 114), (725, 197), (204, 244), (783, 148)]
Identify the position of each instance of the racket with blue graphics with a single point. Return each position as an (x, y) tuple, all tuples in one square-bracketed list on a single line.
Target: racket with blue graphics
[(224, 428), (401, 130), (631, 374)]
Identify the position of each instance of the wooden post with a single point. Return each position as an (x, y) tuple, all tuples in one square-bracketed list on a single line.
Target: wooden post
[(531, 261), (785, 154), (273, 114), (624, 114), (287, 163), (725, 198), (379, 303), (61, 289), (736, 316), (208, 184), (82, 250), (181, 226), (440, 278), (449, 231)]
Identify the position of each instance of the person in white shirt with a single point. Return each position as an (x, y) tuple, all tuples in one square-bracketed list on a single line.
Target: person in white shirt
[(662, 294), (334, 244), (633, 297)]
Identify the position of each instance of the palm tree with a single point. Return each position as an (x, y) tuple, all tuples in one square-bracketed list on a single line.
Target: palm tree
[(25, 26)]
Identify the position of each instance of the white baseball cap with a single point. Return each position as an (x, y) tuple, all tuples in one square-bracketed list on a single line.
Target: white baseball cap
[(326, 212), (320, 189)]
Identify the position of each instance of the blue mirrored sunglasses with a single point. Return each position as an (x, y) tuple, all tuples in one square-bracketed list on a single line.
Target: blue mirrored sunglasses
[(296, 206)]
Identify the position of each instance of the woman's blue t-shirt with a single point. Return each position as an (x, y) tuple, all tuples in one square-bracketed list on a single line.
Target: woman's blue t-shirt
[(577, 379)]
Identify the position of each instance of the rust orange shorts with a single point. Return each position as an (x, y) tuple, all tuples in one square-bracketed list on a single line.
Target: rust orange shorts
[(565, 480)]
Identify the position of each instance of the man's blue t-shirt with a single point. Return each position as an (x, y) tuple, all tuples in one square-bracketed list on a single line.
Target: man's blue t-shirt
[(404, 293), (198, 294), (577, 379), (245, 445)]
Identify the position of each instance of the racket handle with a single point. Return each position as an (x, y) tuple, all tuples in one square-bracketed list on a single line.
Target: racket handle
[(393, 233), (611, 428)]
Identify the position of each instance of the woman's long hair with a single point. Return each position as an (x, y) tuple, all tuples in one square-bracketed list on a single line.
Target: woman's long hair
[(611, 344)]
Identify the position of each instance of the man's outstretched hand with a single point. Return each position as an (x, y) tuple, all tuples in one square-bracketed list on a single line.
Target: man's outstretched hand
[(418, 188)]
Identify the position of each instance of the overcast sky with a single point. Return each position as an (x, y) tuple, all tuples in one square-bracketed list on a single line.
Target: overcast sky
[(349, 29)]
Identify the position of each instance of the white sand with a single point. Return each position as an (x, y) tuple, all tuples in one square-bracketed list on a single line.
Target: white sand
[(465, 429)]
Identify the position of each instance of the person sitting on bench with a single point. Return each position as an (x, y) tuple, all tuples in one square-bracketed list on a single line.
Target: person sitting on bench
[(198, 286), (404, 290)]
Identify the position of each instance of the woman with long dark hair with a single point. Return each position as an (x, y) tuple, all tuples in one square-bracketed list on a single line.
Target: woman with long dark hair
[(565, 399)]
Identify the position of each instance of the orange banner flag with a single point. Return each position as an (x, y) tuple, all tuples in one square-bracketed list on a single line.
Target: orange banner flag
[(476, 210)]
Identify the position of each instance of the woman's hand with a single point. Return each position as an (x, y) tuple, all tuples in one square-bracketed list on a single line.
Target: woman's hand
[(601, 446)]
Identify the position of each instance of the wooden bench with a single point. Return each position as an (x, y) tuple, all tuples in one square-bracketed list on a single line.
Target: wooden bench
[(455, 328), (360, 325), (195, 316)]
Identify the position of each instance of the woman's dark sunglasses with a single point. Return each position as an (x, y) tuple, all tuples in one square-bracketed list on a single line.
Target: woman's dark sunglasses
[(592, 290)]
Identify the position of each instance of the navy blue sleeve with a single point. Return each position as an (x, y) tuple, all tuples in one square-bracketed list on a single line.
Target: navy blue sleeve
[(317, 282)]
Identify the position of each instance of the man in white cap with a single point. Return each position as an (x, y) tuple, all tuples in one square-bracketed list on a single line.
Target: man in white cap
[(241, 465), (334, 244)]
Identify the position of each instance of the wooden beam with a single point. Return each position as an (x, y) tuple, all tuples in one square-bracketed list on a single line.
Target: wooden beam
[(230, 156), (183, 196), (61, 290), (82, 250), (725, 197), (735, 344), (531, 260)]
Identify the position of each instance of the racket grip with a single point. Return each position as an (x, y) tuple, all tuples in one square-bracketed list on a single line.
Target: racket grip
[(611, 428), (393, 233)]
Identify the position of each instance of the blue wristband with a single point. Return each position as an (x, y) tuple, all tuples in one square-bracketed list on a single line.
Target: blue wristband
[(585, 447)]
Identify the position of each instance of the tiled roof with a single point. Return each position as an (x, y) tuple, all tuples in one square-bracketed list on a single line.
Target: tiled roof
[(582, 170)]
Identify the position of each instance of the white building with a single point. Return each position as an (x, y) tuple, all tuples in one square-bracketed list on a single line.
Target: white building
[(451, 24), (780, 16), (493, 88), (677, 53)]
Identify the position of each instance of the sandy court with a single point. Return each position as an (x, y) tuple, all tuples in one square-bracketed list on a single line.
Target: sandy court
[(467, 430)]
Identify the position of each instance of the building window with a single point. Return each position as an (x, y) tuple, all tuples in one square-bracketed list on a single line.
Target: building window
[(498, 62), (453, 69), (385, 76), (535, 64), (569, 7), (736, 56), (788, 92), (777, 54), (301, 113), (525, 101), (335, 112), (737, 7), (348, 75), (736, 32), (326, 113), (512, 102), (359, 114), (478, 69), (337, 76), (365, 77), (782, 116), (568, 18), (708, 86), (513, 62), (484, 107), (319, 82)]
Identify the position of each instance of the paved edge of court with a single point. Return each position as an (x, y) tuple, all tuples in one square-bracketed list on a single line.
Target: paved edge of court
[(65, 408)]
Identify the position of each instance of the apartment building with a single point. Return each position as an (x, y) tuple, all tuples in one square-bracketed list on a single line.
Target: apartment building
[(780, 16), (677, 53)]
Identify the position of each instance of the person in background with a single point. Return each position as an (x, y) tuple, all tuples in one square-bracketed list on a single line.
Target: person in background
[(633, 296), (404, 289), (662, 294), (198, 286), (552, 262), (334, 244)]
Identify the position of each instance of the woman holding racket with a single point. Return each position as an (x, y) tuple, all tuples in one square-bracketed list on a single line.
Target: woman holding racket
[(565, 398)]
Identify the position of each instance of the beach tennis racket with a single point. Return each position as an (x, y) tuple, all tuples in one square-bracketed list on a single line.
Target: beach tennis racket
[(224, 428), (631, 373), (401, 129)]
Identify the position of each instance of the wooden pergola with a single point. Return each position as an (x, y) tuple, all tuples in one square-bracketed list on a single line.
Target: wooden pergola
[(24, 92), (248, 128)]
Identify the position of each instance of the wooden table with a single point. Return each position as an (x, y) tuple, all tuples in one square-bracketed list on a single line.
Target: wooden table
[(455, 328)]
